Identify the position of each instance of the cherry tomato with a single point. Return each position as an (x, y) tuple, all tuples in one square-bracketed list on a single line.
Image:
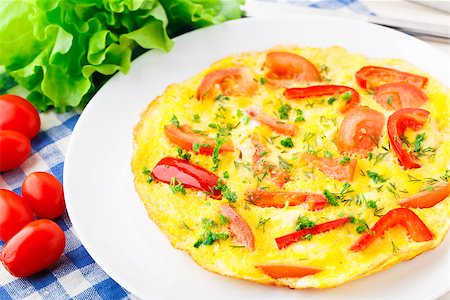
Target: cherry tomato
[(44, 193), (34, 248), (185, 138), (240, 230), (14, 149), (285, 68), (188, 174), (371, 76), (399, 95), (427, 199), (332, 167), (286, 240), (14, 214), (275, 124), (279, 199), (360, 130), (17, 114), (325, 90), (286, 271), (228, 82), (412, 118), (404, 217)]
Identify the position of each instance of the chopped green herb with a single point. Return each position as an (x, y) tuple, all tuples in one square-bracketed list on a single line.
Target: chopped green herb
[(308, 135), (224, 220), (283, 111), (196, 118), (446, 175), (146, 171), (389, 100), (344, 160), (196, 147), (262, 80), (185, 226), (394, 248), (332, 100), (307, 237), (370, 156), (208, 237), (262, 223), (300, 117), (246, 119), (331, 198), (362, 225), (303, 222), (215, 155), (226, 192), (287, 142), (376, 178), (284, 164), (418, 142), (226, 175), (184, 155), (371, 204), (221, 97), (262, 153), (347, 96), (176, 186), (239, 113), (324, 68), (327, 154), (175, 121), (430, 188)]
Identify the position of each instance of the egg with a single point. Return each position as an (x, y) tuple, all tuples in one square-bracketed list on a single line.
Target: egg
[(181, 215)]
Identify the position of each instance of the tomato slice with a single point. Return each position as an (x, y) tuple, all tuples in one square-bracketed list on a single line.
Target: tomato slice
[(325, 90), (275, 124), (402, 216), (286, 240), (286, 271), (427, 198), (360, 130), (190, 175), (229, 82), (239, 229), (185, 138), (371, 76), (397, 123), (399, 95), (332, 167), (285, 68), (278, 199)]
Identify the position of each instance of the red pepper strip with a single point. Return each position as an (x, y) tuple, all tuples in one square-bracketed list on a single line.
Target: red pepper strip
[(285, 271), (427, 198), (279, 199), (397, 123), (286, 240), (405, 217), (332, 167), (278, 126), (324, 90), (371, 76), (238, 227), (190, 175), (185, 137)]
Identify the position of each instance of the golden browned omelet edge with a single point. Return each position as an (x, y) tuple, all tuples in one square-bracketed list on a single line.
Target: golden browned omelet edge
[(402, 254)]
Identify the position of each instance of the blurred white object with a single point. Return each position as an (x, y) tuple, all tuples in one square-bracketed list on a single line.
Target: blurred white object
[(443, 5)]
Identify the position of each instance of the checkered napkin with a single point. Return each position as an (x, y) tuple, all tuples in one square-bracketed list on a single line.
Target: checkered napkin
[(76, 275)]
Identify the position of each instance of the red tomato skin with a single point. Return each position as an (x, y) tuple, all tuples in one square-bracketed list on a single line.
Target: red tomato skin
[(427, 199), (17, 114), (44, 193), (189, 174), (278, 199), (402, 216), (372, 76), (401, 94), (14, 214), (397, 123), (324, 90), (238, 227), (14, 149), (275, 124), (34, 248), (332, 167), (286, 271)]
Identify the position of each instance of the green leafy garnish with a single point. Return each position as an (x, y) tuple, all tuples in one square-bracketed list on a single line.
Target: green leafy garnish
[(331, 198), (327, 154), (344, 160), (196, 118), (376, 178), (287, 142), (347, 96), (148, 173), (303, 222), (208, 237), (299, 117), (263, 80), (184, 155), (226, 192), (174, 121), (176, 186), (284, 164), (226, 175), (331, 100), (224, 220), (389, 100), (362, 225), (283, 111), (262, 223)]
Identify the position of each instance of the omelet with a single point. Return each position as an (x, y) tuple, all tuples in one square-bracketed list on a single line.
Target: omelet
[(300, 167)]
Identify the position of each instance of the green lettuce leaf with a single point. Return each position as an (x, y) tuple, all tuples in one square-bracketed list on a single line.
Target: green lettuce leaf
[(62, 51)]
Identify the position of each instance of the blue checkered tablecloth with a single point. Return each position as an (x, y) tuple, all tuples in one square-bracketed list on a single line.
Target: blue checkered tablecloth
[(76, 275)]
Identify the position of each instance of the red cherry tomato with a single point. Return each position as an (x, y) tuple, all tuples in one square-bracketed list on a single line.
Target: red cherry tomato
[(325, 90), (239, 229), (371, 76), (14, 214), (360, 130), (229, 82), (190, 175), (398, 122), (275, 124), (286, 68), (402, 216), (44, 193), (185, 137), (19, 115), (399, 95), (286, 240), (14, 149), (36, 247)]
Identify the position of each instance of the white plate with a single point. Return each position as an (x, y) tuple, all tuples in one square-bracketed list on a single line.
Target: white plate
[(106, 211)]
